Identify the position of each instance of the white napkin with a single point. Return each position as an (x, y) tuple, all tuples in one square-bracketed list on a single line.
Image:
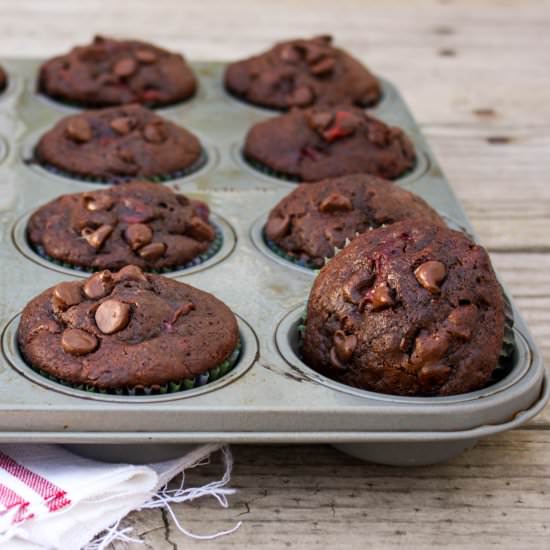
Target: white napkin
[(53, 499)]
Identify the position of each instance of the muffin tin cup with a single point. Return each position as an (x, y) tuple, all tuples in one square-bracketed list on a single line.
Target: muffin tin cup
[(206, 161), (234, 366), (223, 244), (268, 397)]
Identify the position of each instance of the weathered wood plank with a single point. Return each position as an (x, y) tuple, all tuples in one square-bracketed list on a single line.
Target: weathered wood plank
[(496, 494)]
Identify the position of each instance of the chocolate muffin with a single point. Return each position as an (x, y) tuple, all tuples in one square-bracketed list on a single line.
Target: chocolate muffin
[(314, 144), (3, 80), (316, 218), (408, 309), (302, 73), (116, 143), (128, 331), (114, 72), (138, 223)]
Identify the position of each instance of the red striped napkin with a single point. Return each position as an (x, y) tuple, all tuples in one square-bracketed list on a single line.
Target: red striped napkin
[(51, 498)]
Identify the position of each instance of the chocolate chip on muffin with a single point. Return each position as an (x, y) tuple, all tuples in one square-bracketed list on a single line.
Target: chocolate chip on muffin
[(408, 309), (316, 218), (132, 331), (3, 80), (111, 72), (313, 144), (302, 73), (137, 223), (117, 143)]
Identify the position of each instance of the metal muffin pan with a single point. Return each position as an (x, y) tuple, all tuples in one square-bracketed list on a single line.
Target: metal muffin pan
[(270, 396)]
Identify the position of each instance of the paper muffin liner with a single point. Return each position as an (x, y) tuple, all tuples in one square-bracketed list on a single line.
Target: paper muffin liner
[(213, 249), (161, 178), (264, 169), (505, 361), (276, 249), (160, 389)]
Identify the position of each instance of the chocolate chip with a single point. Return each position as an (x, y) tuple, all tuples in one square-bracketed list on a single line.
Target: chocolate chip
[(99, 285), (79, 129), (344, 345), (152, 252), (138, 235), (315, 53), (97, 201), (78, 342), (154, 133), (67, 294), (335, 361), (429, 348), (302, 96), (322, 39), (344, 125), (434, 373), (461, 320), (112, 316), (334, 202), (126, 155), (323, 67), (122, 125), (146, 56), (201, 230), (289, 54), (321, 121), (430, 275), (130, 273), (381, 297), (356, 285), (98, 237), (181, 311), (276, 227), (125, 67), (135, 211)]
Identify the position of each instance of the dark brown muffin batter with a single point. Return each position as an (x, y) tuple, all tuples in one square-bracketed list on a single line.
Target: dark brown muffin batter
[(114, 72), (119, 142), (314, 144), (139, 223), (126, 329), (315, 218), (302, 73), (409, 309)]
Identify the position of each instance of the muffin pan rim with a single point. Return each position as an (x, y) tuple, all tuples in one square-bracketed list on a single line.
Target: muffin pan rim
[(286, 329)]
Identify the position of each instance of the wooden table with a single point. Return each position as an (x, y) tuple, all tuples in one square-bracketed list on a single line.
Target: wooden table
[(476, 75)]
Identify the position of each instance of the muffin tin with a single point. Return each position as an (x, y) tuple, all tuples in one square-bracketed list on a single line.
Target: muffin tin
[(270, 396)]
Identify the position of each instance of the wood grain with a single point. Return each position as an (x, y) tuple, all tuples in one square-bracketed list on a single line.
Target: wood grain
[(475, 74)]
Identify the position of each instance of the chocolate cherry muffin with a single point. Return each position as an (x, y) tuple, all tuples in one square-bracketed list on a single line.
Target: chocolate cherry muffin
[(138, 223), (3, 80), (302, 73), (127, 331), (111, 72), (117, 143), (316, 218), (408, 309), (314, 144)]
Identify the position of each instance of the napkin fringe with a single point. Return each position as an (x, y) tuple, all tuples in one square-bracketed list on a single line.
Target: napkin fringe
[(166, 497)]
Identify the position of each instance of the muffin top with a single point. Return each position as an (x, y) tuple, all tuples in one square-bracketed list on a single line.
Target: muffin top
[(314, 144), (408, 309), (315, 218), (114, 72), (138, 223), (117, 143), (126, 330), (302, 73), (3, 79)]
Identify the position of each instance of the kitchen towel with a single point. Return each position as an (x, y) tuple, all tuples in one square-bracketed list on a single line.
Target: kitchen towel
[(51, 498)]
